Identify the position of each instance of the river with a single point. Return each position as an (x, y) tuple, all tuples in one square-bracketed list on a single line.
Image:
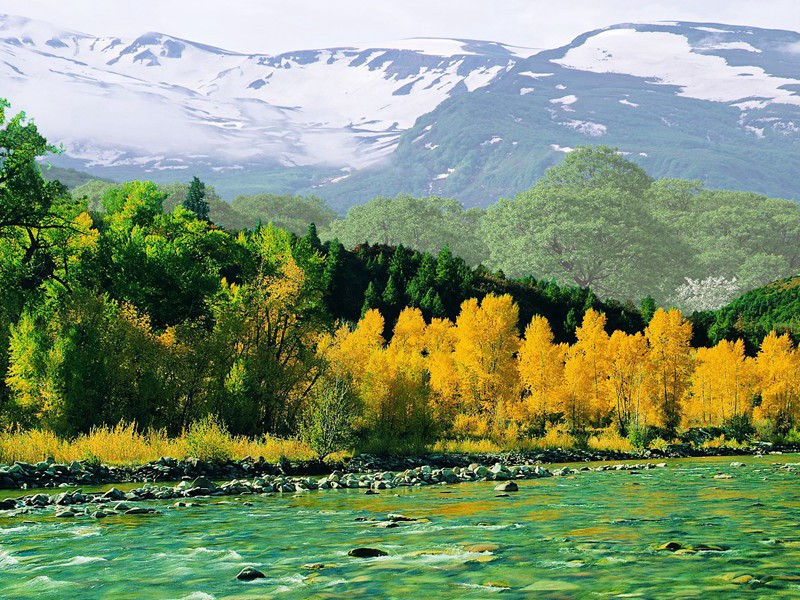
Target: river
[(591, 535)]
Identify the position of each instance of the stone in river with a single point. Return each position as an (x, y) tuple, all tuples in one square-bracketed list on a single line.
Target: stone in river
[(366, 552), (141, 511), (386, 525), (671, 546), (249, 574), (507, 486), (203, 482), (396, 517), (482, 547)]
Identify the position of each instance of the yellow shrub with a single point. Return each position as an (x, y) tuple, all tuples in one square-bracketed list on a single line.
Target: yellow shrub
[(124, 445), (610, 439), (659, 444)]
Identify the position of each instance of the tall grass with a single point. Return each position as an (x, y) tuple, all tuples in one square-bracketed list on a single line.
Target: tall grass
[(125, 445)]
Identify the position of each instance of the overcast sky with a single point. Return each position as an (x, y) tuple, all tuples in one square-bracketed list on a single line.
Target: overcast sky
[(271, 26)]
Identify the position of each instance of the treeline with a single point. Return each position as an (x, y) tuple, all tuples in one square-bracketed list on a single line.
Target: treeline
[(117, 309), (596, 220), (135, 306), (478, 378)]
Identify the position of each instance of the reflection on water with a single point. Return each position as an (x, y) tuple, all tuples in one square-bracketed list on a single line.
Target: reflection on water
[(589, 536)]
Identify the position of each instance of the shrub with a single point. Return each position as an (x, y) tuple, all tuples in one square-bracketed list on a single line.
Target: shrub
[(739, 428), (331, 413), (208, 439), (659, 443)]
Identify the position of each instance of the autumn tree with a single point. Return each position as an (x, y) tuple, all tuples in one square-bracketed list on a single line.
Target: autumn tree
[(485, 349), (592, 343), (627, 380), (541, 371), (440, 341), (668, 337), (778, 369), (723, 383), (267, 331)]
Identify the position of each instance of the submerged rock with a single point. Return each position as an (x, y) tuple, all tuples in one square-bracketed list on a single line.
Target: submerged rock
[(366, 553), (671, 546), (507, 486)]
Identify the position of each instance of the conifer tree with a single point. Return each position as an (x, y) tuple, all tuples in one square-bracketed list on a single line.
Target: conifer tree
[(196, 199), (371, 299)]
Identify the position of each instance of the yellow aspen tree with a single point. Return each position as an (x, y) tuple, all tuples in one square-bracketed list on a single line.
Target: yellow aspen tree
[(541, 369), (347, 352), (577, 389), (392, 380), (668, 337), (485, 349), (722, 384), (592, 342), (699, 406), (627, 379), (440, 341), (778, 370)]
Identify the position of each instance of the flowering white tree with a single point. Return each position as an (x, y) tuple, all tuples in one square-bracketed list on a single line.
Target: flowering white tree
[(710, 293)]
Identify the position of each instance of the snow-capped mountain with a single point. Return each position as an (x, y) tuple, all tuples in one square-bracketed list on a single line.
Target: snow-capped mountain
[(164, 103), (470, 119), (698, 101)]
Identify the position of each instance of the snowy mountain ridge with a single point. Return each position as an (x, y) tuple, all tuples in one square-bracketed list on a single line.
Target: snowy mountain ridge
[(158, 100), (471, 119)]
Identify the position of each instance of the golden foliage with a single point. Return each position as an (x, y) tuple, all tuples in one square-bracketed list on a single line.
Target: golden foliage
[(668, 337), (124, 445)]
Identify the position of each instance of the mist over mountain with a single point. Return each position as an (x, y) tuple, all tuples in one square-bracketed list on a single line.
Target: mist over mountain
[(475, 120)]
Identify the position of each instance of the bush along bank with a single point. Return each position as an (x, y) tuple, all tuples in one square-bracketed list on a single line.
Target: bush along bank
[(116, 502)]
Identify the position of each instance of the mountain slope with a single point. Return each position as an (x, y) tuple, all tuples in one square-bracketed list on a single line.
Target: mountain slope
[(162, 103), (683, 100), (470, 119)]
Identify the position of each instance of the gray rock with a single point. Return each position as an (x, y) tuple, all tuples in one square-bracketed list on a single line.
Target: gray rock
[(203, 482), (507, 486)]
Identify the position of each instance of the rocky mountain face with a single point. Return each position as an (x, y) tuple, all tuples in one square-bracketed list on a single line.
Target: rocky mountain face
[(471, 119)]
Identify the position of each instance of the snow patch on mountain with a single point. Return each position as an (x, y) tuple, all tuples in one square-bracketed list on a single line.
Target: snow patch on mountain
[(110, 100), (667, 58)]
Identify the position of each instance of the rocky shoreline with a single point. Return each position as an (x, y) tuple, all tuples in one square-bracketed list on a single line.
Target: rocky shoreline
[(50, 474), (98, 505)]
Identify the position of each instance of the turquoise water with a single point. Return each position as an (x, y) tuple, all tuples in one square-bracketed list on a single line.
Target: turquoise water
[(592, 535)]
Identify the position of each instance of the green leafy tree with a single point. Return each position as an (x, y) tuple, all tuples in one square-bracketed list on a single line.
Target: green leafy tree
[(330, 417), (424, 224)]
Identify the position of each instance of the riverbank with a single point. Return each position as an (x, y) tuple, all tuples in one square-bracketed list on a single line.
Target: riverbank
[(51, 474), (76, 503)]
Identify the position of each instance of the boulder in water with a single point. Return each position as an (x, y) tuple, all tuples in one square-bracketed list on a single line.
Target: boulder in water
[(366, 552), (249, 574), (507, 486)]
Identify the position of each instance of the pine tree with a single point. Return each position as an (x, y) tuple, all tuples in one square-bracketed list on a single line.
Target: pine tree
[(196, 199), (312, 237), (372, 299), (422, 282), (432, 304), (647, 308), (393, 293)]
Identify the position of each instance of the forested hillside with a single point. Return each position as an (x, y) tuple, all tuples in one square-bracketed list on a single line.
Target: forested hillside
[(134, 306), (596, 220)]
